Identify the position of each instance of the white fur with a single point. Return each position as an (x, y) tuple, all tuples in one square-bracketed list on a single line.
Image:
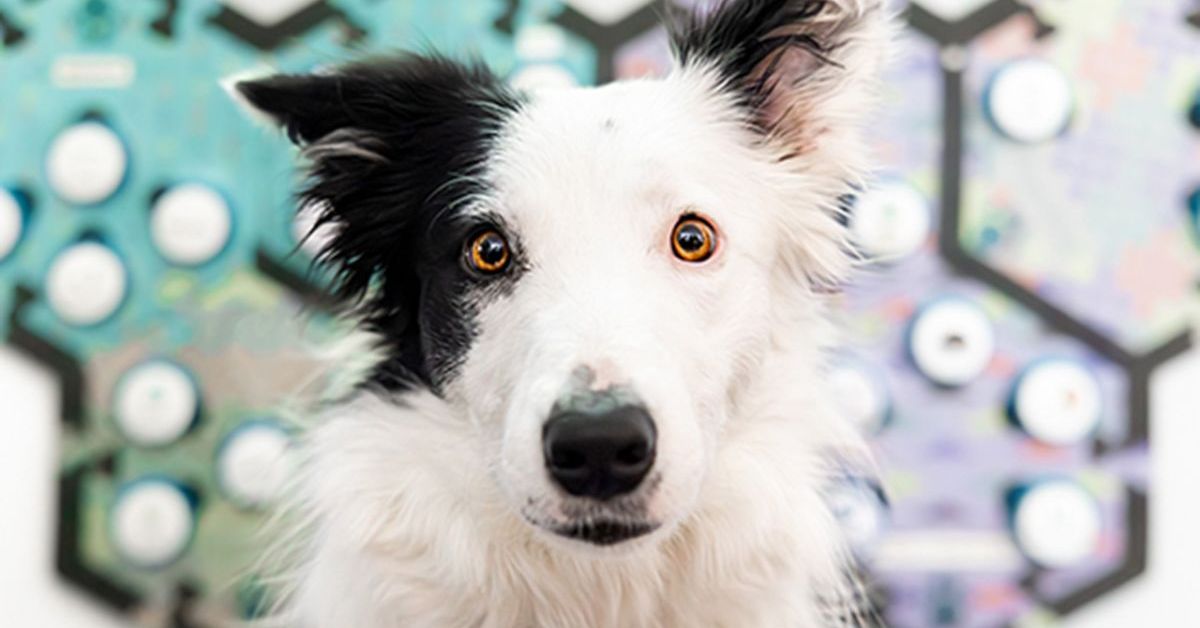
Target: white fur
[(424, 511)]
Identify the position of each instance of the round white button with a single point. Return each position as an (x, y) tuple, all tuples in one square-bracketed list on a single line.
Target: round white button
[(86, 283), (254, 463), (860, 513), (86, 163), (155, 403), (542, 76), (152, 523), (890, 221), (190, 224), (951, 342), (861, 396), (12, 222), (1057, 402), (1029, 101), (1057, 524), (541, 42)]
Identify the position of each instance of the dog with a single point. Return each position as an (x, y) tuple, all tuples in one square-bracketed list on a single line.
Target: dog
[(599, 320)]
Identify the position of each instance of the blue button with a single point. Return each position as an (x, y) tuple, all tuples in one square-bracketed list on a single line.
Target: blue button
[(1194, 112), (861, 509), (1194, 212), (13, 216), (1057, 401), (1056, 522), (1029, 101), (152, 521)]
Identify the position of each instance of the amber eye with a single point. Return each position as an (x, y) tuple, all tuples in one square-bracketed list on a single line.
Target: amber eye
[(693, 239), (488, 252)]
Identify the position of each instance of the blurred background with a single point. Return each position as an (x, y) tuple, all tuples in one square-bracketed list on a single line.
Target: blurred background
[(1020, 350)]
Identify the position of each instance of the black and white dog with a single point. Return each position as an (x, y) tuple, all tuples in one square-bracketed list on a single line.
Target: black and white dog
[(600, 321)]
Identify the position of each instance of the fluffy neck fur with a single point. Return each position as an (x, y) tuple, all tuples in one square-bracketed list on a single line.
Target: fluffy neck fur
[(401, 525)]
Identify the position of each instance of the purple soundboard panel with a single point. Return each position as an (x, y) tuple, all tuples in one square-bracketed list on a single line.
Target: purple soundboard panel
[(1045, 153)]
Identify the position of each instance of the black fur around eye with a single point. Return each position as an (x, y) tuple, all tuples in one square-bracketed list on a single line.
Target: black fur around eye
[(693, 239), (488, 253)]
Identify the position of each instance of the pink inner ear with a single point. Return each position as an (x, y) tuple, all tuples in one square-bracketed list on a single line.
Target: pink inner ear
[(783, 74)]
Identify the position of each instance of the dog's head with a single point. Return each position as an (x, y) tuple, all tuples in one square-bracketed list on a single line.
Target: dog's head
[(592, 275)]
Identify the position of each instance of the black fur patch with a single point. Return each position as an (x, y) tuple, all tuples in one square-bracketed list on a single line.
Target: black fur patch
[(395, 148)]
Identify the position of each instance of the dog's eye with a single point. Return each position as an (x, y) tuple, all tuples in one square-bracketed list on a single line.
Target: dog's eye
[(694, 239), (487, 252)]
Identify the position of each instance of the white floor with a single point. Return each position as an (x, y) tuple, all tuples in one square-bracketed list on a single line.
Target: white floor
[(31, 595)]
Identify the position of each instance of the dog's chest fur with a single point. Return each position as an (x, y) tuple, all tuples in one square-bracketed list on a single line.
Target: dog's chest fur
[(413, 537)]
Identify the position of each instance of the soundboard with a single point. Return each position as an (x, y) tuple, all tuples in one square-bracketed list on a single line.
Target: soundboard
[(1030, 247)]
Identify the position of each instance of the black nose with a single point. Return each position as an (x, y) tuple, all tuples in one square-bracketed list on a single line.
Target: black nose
[(599, 455)]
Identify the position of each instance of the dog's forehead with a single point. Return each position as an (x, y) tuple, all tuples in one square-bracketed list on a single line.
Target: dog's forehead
[(634, 142), (619, 109)]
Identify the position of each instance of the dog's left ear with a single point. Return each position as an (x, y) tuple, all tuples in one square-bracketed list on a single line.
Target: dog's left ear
[(803, 74), (801, 68)]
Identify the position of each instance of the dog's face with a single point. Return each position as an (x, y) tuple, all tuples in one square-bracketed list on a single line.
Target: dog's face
[(591, 275)]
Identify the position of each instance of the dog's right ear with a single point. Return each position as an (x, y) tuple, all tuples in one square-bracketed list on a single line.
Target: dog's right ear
[(389, 142), (306, 106), (392, 145)]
